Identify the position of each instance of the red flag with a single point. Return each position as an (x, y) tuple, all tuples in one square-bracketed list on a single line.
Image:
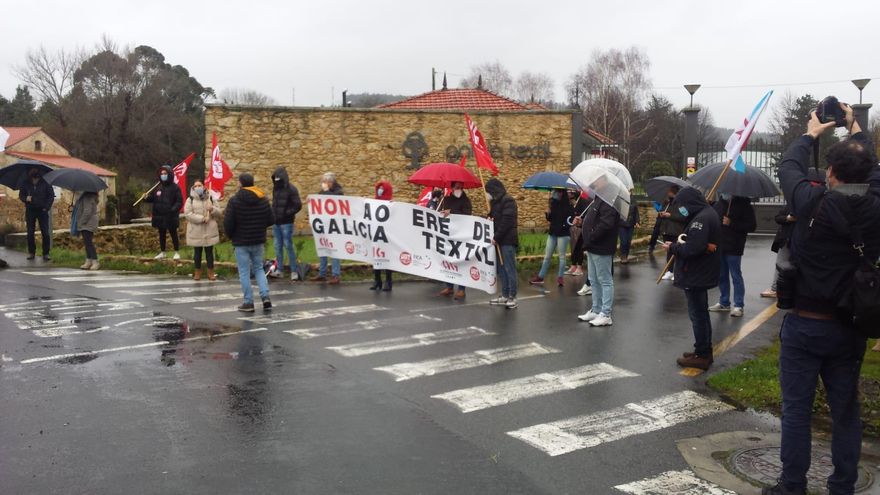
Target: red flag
[(425, 196), (463, 161), (180, 176), (219, 173), (481, 152)]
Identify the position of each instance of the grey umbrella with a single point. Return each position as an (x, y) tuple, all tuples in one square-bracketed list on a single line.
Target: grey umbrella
[(657, 187), (13, 176), (753, 183), (75, 179)]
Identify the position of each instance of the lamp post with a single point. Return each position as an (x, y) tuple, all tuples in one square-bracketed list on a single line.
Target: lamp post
[(691, 89), (861, 83), (860, 110), (691, 128)]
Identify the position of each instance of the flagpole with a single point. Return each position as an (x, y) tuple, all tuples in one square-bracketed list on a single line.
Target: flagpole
[(144, 195), (718, 181)]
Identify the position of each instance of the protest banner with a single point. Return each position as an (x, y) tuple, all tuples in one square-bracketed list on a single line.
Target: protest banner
[(405, 238)]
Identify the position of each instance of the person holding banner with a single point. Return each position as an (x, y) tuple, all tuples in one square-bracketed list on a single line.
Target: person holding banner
[(457, 203), (167, 201), (503, 213), (329, 186), (384, 191), (248, 215)]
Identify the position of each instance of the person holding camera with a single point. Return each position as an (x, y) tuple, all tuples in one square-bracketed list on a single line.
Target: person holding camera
[(818, 335)]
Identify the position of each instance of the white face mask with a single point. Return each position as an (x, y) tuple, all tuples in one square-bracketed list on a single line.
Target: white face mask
[(457, 193), (163, 177), (199, 191), (488, 196), (380, 191)]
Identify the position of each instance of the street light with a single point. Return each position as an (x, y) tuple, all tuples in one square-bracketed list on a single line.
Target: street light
[(861, 83), (692, 88)]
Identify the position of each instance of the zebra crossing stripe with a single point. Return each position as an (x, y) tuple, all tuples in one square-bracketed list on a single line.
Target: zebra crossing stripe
[(496, 394), (179, 290), (408, 342), (275, 304), (71, 272), (43, 303), (312, 314), (569, 435), (148, 283), (314, 332), (229, 296), (677, 482), (108, 278), (484, 357)]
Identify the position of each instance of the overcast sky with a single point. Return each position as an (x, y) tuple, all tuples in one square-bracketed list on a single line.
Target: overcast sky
[(309, 47)]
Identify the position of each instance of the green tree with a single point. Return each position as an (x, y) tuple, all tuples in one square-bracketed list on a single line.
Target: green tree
[(20, 111), (790, 119), (657, 168)]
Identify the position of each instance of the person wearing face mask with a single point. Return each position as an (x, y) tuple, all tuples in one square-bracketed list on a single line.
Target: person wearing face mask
[(504, 216), (37, 196), (558, 214), (330, 187), (457, 203), (167, 201), (697, 261), (384, 191), (285, 204), (436, 198), (601, 223), (672, 224), (202, 232), (737, 221)]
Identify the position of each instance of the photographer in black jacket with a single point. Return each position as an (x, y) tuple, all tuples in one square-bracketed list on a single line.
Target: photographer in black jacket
[(818, 336)]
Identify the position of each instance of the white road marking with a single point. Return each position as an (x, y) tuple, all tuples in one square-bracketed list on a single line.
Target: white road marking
[(43, 303), (581, 432), (72, 272), (180, 290), (456, 306), (496, 394), (149, 283), (97, 307), (139, 346), (674, 482), (229, 296), (310, 333), (417, 340), (108, 278), (485, 357), (275, 304), (27, 324)]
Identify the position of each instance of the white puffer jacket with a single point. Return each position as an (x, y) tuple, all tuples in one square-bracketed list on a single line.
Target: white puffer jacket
[(201, 227)]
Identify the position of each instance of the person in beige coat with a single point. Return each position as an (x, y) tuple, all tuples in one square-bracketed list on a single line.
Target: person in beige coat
[(201, 214), (86, 218)]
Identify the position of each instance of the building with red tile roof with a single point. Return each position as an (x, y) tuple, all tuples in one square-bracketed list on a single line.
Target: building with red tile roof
[(458, 99)]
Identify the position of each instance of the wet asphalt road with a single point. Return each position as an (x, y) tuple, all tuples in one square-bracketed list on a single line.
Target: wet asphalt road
[(117, 383)]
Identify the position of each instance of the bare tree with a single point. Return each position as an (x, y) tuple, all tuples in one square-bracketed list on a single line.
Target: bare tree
[(534, 87), (493, 76), (50, 75), (246, 97)]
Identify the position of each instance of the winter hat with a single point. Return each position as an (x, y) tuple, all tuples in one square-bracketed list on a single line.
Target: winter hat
[(246, 180)]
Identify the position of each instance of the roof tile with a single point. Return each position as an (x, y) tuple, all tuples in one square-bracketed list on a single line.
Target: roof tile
[(18, 134), (63, 162), (457, 99)]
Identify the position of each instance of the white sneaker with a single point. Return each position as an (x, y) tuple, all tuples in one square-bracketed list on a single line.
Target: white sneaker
[(736, 312), (588, 316), (500, 300), (86, 265), (95, 265), (586, 290), (176, 256), (511, 303), (159, 256), (668, 276), (601, 321), (718, 307), (294, 276)]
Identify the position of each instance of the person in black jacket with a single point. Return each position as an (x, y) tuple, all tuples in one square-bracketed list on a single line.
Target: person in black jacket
[(671, 224), (329, 186), (818, 336), (167, 202), (601, 222), (503, 213), (737, 221), (627, 227), (248, 215), (37, 196), (577, 241), (285, 205), (456, 203), (786, 221), (697, 261), (559, 214)]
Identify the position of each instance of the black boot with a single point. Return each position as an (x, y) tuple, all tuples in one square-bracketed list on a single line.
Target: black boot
[(387, 287), (377, 280)]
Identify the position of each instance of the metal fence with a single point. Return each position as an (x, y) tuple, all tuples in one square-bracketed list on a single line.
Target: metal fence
[(764, 155)]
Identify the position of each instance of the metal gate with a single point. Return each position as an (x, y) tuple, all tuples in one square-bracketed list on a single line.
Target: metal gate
[(764, 155)]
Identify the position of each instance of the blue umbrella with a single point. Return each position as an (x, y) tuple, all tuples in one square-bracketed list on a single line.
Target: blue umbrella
[(546, 181)]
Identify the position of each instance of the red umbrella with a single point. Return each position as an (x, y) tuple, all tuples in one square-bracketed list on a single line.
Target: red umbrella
[(443, 175)]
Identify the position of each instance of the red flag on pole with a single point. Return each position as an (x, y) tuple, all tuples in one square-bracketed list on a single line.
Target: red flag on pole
[(481, 152), (219, 172), (180, 176)]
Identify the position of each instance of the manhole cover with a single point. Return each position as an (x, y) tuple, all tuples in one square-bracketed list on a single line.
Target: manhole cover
[(762, 465)]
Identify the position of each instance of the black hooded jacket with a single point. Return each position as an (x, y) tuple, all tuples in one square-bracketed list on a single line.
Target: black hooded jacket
[(503, 212), (560, 216), (285, 198), (247, 216), (742, 222), (42, 195), (823, 252), (458, 206), (167, 201), (601, 223), (697, 265)]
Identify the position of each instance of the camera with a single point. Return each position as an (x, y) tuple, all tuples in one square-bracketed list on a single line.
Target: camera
[(829, 110), (785, 284)]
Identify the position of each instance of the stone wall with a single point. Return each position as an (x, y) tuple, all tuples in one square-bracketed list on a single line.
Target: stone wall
[(112, 239), (364, 146)]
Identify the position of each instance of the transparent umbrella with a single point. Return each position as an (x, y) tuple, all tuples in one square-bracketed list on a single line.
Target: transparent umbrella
[(604, 184), (616, 168)]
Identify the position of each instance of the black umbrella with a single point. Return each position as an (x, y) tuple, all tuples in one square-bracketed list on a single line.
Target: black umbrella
[(753, 183), (14, 176), (75, 179), (657, 187)]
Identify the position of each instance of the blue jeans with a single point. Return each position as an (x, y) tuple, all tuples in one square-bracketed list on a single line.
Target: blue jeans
[(698, 312), (334, 264), (599, 271), (507, 270), (626, 238), (560, 245), (731, 268), (810, 349), (283, 237), (250, 260)]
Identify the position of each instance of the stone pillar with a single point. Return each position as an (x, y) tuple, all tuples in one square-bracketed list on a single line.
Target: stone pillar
[(691, 129), (577, 138), (861, 113)]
